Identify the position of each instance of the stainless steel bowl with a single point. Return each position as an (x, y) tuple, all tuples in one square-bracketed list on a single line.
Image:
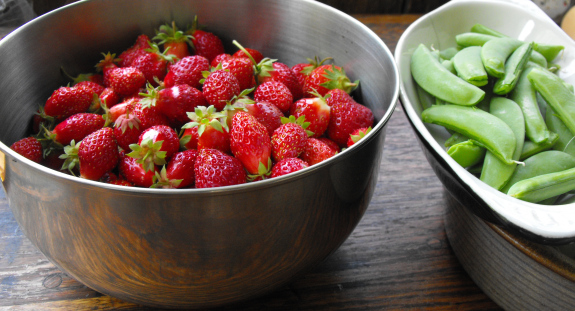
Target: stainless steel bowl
[(197, 247)]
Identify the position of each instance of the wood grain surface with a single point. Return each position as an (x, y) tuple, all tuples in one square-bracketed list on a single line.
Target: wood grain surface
[(398, 257)]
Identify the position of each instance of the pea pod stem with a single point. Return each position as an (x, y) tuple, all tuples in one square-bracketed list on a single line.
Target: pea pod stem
[(484, 128)]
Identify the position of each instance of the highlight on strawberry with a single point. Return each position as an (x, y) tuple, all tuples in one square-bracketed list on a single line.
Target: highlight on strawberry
[(176, 110)]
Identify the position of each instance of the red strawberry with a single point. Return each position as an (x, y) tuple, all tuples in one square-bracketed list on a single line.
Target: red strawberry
[(105, 65), (316, 112), (98, 154), (302, 70), (337, 96), (328, 77), (153, 64), (219, 59), (357, 135), (134, 173), (126, 81), (255, 54), (346, 117), (179, 173), (289, 139), (330, 143), (55, 161), (109, 97), (155, 146), (66, 101), (76, 127), (220, 87), (267, 114), (315, 151), (126, 57), (189, 138), (121, 182), (288, 165), (275, 93), (187, 70), (211, 127), (214, 168), (29, 147), (127, 130), (251, 144), (174, 102), (272, 70), (175, 41), (205, 43), (243, 70), (95, 87)]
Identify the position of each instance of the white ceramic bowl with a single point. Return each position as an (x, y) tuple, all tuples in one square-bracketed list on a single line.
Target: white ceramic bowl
[(517, 18)]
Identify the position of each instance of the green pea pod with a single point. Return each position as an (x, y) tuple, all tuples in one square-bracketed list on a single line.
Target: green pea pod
[(530, 148), (469, 67), (440, 82), (495, 52), (556, 94), (514, 65), (549, 51), (495, 172), (566, 141), (448, 64), (480, 28), (484, 128), (545, 162), (472, 39), (525, 96), (455, 138), (542, 187), (466, 153), (538, 59), (426, 99), (448, 53), (486, 101)]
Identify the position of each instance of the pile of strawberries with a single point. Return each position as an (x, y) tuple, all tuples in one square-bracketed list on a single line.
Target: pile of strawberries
[(177, 111)]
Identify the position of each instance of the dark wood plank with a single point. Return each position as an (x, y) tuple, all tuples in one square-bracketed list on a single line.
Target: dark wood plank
[(398, 257)]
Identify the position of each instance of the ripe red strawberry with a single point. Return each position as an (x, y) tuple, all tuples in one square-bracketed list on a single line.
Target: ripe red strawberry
[(330, 143), (357, 135), (174, 41), (279, 72), (66, 101), (95, 87), (275, 93), (76, 127), (155, 146), (315, 151), (267, 114), (214, 168), (302, 70), (127, 56), (205, 43), (346, 117), (179, 173), (288, 165), (98, 154), (109, 97), (54, 160), (251, 144), (255, 54), (30, 148), (219, 59), (126, 81), (316, 112), (134, 173), (127, 130), (243, 70), (211, 127), (176, 101), (187, 70), (153, 64), (289, 139), (328, 77), (121, 182), (189, 138), (337, 96), (220, 87)]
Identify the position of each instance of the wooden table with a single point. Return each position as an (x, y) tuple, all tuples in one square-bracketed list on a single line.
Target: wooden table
[(398, 257)]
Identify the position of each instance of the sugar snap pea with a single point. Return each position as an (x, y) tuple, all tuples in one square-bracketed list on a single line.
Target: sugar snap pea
[(495, 52), (455, 138), (468, 65), (556, 94), (426, 99), (545, 162), (538, 59), (448, 53), (542, 187), (472, 39), (530, 148), (525, 96), (566, 141), (484, 128), (466, 153), (440, 82), (495, 172), (480, 28), (514, 65)]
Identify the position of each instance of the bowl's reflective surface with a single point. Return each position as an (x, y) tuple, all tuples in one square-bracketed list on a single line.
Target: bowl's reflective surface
[(195, 247), (545, 224)]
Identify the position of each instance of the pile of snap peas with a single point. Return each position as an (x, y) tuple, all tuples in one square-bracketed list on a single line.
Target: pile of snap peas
[(510, 116)]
